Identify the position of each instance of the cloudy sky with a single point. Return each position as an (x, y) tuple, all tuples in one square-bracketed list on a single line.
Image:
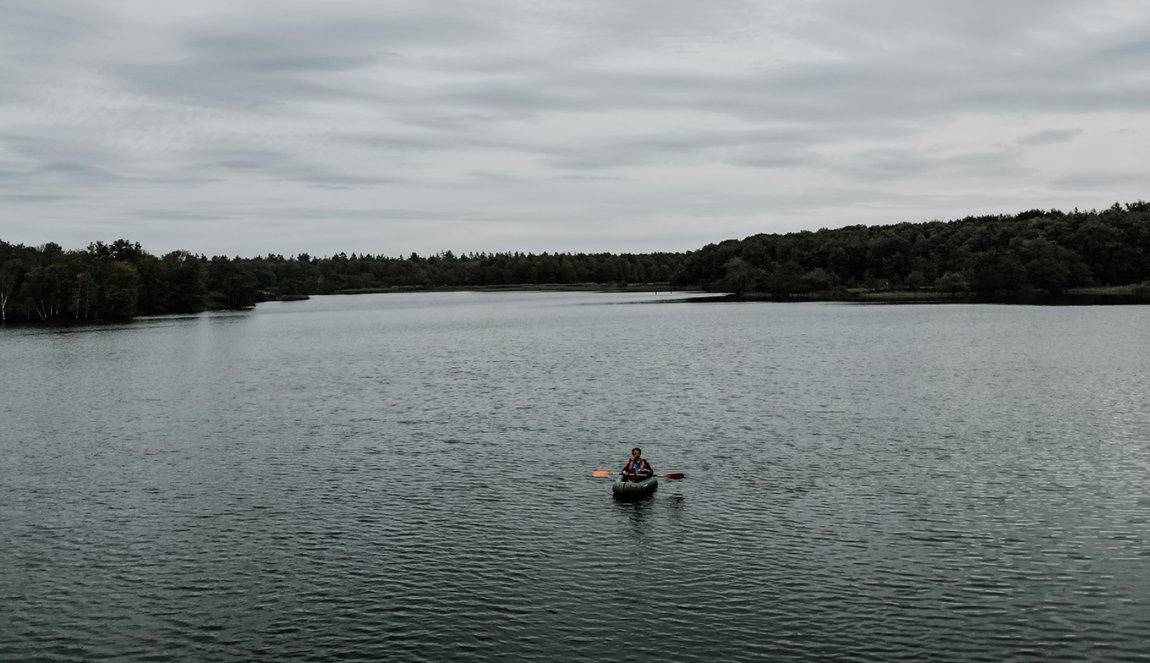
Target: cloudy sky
[(247, 127)]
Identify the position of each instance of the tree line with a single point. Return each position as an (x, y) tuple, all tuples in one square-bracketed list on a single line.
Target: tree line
[(1048, 251), (121, 280), (114, 281)]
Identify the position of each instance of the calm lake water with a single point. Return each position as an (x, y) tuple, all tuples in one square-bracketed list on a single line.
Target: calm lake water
[(408, 478)]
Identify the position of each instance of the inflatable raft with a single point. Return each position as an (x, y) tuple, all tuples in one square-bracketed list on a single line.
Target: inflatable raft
[(634, 490)]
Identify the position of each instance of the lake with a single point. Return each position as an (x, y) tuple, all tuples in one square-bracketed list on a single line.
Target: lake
[(407, 477)]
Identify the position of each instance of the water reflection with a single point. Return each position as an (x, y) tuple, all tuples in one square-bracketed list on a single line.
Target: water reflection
[(638, 514)]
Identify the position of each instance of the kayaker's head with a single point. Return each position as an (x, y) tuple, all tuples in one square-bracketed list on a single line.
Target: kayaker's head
[(636, 452)]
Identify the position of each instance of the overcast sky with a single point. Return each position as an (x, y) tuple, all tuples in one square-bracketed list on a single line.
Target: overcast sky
[(245, 128)]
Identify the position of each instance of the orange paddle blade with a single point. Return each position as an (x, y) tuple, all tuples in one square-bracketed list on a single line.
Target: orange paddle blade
[(673, 475), (601, 473)]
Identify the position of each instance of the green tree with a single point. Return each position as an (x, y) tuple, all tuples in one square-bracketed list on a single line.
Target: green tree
[(786, 278), (46, 292), (994, 272), (740, 276), (230, 283), (953, 283), (11, 275), (121, 289), (818, 280), (181, 272)]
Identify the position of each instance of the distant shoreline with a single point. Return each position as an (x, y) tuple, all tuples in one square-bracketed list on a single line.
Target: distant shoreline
[(523, 287), (1110, 296), (1118, 295)]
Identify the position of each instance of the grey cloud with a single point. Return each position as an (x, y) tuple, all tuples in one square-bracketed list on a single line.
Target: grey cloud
[(1084, 181), (376, 215), (36, 197), (332, 34), (39, 39), (425, 116), (47, 146), (896, 164), (1131, 51), (1049, 136), (393, 142), (196, 84), (813, 200), (595, 178), (773, 160), (494, 177), (177, 215), (380, 116), (785, 146), (33, 30), (276, 164), (71, 159), (59, 172), (840, 92), (241, 164), (288, 59)]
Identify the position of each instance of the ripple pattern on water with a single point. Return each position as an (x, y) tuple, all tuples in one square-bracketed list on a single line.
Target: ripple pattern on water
[(407, 478)]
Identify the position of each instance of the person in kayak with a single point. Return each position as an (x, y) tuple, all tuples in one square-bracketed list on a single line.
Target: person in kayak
[(637, 468)]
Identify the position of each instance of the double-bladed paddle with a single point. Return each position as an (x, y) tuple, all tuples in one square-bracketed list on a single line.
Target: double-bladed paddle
[(669, 475)]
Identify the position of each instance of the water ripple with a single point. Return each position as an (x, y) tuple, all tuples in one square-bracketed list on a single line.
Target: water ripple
[(369, 479)]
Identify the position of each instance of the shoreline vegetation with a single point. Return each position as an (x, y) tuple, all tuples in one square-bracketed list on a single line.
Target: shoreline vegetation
[(1034, 257), (1128, 294)]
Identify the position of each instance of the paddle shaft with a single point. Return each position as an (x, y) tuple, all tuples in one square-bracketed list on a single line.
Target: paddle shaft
[(674, 476)]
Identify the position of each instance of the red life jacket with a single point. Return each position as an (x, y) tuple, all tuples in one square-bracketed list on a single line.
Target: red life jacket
[(636, 466)]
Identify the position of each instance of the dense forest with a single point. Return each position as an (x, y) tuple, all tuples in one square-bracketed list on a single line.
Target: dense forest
[(1038, 250), (121, 279), (1034, 251)]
